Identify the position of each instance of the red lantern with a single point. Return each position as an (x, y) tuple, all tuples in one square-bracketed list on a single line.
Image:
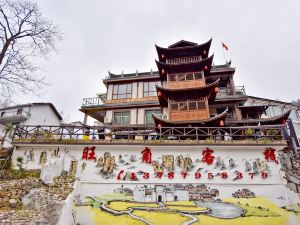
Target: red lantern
[(162, 55), (159, 125), (159, 93), (216, 89), (205, 67), (204, 52), (221, 123), (163, 71)]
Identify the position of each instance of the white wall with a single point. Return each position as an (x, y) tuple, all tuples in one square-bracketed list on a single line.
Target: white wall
[(41, 115), (109, 92)]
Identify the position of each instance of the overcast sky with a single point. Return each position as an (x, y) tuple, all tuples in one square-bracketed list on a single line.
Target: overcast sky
[(263, 39)]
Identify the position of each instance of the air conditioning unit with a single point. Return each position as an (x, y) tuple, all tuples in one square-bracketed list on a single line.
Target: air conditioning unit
[(164, 117)]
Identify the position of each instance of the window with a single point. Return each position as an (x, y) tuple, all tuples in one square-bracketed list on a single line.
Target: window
[(181, 77), (201, 105), (192, 106), (148, 115), (122, 91), (195, 104), (121, 118), (174, 106), (198, 76), (189, 76), (173, 77), (149, 88), (182, 106), (184, 77)]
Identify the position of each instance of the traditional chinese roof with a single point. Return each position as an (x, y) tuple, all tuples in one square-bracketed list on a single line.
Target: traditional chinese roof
[(210, 122), (190, 92), (262, 121), (183, 49), (204, 65)]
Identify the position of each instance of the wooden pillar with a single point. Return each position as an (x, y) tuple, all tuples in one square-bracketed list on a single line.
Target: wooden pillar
[(85, 118)]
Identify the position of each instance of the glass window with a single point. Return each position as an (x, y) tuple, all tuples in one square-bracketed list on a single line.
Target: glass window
[(192, 106), (149, 88), (198, 76), (201, 105), (121, 118), (122, 91), (172, 77), (182, 106), (189, 76), (148, 115), (174, 106), (181, 77)]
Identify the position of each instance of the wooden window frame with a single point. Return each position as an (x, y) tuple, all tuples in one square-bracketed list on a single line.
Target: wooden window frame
[(116, 96), (124, 111), (147, 82)]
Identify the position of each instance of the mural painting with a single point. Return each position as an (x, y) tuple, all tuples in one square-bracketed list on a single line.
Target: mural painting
[(187, 204), (205, 188)]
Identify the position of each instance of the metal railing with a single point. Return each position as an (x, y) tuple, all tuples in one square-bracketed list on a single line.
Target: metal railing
[(91, 101), (225, 91), (250, 134)]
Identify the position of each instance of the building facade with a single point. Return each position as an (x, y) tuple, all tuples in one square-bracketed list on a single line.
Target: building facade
[(32, 114), (186, 90)]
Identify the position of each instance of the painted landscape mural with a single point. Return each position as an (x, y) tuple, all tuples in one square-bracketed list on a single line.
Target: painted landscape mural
[(205, 187)]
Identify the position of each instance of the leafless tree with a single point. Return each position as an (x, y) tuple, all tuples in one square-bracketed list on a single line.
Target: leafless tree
[(25, 37)]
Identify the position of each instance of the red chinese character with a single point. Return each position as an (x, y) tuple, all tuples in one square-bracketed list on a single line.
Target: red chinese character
[(270, 155), (210, 176), (147, 155), (89, 153), (85, 153), (207, 156)]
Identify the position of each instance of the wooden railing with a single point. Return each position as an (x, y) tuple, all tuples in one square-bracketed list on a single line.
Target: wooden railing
[(250, 134)]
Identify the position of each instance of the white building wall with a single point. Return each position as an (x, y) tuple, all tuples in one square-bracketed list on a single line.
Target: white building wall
[(140, 89), (141, 116), (182, 195), (109, 92), (133, 116), (41, 115), (108, 116), (134, 90)]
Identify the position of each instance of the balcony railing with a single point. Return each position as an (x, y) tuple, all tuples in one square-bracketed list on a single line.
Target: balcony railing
[(144, 134), (225, 91), (91, 101), (14, 116)]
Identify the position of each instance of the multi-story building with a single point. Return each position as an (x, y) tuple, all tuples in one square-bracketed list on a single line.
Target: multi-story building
[(187, 90)]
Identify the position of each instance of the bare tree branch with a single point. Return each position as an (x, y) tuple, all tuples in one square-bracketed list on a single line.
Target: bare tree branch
[(25, 35)]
